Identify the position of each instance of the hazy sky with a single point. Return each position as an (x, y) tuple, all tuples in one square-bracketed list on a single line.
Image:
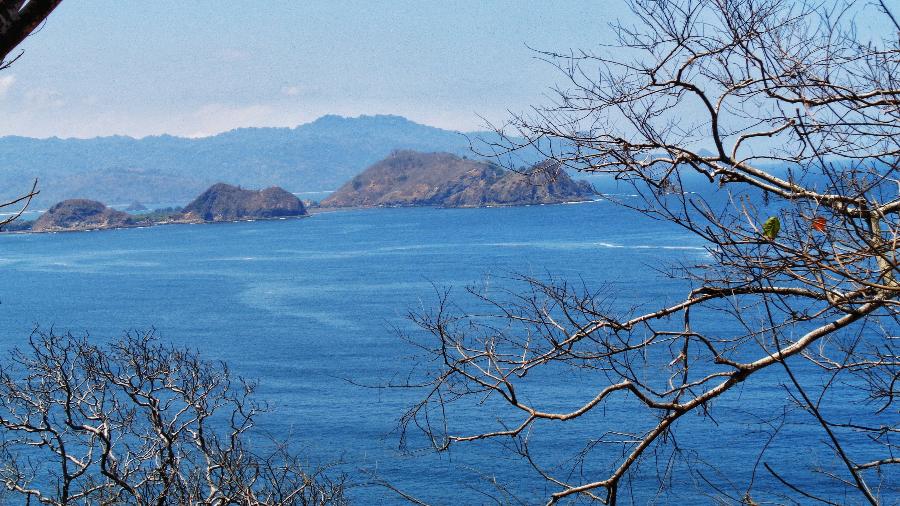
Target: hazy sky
[(101, 67)]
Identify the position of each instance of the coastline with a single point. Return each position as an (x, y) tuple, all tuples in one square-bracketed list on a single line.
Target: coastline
[(310, 212), (151, 224)]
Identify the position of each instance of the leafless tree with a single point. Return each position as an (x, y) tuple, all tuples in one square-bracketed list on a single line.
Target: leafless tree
[(139, 422), (788, 115), (135, 421)]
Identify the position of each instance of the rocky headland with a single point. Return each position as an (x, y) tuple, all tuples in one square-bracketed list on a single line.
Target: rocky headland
[(410, 178)]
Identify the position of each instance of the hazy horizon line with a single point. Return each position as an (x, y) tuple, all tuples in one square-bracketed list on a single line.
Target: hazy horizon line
[(248, 127)]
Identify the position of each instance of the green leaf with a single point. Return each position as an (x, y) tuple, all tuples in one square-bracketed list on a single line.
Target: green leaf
[(771, 228)]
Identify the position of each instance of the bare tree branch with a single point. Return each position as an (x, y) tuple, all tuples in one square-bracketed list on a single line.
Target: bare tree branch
[(768, 129)]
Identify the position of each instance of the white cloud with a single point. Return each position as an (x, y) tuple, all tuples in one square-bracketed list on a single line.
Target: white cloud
[(44, 99), (6, 83), (291, 91)]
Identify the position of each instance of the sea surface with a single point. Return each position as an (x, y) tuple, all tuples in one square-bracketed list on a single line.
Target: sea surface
[(314, 308)]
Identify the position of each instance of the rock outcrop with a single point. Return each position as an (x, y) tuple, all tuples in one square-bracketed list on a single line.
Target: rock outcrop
[(409, 178), (81, 214), (223, 202)]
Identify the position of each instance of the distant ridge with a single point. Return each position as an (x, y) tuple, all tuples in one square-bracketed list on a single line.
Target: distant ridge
[(319, 155)]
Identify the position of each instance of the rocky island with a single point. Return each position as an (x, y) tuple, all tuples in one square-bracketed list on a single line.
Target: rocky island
[(410, 178), (221, 202), (82, 214)]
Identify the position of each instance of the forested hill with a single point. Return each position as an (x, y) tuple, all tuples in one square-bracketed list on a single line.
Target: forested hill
[(321, 155)]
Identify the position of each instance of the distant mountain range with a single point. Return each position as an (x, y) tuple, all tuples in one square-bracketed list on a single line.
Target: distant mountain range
[(316, 156)]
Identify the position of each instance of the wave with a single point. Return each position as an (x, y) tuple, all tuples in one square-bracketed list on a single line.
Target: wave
[(583, 201), (591, 245), (650, 246)]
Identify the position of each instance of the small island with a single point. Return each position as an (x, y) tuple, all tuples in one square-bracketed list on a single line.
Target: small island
[(223, 202), (220, 203), (82, 214), (410, 178), (136, 206)]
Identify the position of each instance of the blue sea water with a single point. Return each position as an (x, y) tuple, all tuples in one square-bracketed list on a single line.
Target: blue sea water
[(312, 307)]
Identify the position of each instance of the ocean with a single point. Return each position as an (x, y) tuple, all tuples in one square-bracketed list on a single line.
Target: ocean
[(316, 309)]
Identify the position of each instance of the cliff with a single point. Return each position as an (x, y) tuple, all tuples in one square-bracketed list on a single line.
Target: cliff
[(81, 214), (223, 202), (409, 178)]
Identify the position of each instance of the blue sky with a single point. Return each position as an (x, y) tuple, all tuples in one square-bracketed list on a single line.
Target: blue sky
[(102, 67), (196, 68)]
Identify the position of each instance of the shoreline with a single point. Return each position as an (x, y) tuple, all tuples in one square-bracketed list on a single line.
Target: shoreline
[(310, 212), (152, 224)]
